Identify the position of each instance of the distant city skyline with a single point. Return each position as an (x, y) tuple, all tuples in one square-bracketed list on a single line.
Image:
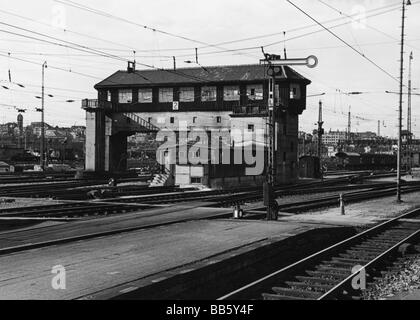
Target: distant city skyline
[(340, 70)]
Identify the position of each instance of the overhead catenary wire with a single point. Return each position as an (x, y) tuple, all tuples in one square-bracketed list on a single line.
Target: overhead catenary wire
[(345, 42), (367, 25), (65, 29), (108, 15), (266, 45), (84, 48), (277, 42), (112, 16), (94, 55)]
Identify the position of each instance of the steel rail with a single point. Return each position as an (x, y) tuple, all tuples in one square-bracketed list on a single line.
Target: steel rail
[(320, 255)]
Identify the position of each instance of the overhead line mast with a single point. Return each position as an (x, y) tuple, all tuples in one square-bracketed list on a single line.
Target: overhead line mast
[(404, 3), (409, 130)]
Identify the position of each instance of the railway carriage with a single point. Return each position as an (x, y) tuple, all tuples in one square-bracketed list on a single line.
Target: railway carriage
[(366, 161)]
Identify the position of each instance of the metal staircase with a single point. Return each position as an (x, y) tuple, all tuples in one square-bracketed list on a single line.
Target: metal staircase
[(161, 179), (145, 124)]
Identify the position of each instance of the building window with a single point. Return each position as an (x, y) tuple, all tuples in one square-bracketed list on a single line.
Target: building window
[(294, 91), (251, 127), (166, 95), (255, 92), (219, 119), (186, 95), (194, 119), (172, 120), (125, 96), (231, 93), (292, 146), (145, 96), (108, 96), (208, 94), (196, 180)]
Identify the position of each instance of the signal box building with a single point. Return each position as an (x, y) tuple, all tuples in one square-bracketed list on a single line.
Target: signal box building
[(224, 98)]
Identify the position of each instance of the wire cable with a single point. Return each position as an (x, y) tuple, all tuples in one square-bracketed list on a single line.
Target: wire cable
[(345, 42)]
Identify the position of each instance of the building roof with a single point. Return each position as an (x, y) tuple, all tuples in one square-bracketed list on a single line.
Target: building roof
[(246, 73), (39, 124)]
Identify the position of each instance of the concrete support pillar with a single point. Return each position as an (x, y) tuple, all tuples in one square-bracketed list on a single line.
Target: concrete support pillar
[(95, 141), (117, 155), (107, 144)]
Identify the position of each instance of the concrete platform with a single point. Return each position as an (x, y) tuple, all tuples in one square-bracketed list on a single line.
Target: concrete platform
[(102, 263), (360, 213)]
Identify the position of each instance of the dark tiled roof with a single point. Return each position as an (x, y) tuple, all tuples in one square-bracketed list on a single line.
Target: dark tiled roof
[(236, 73)]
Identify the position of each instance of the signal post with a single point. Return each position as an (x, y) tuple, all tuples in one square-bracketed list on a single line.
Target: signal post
[(275, 69)]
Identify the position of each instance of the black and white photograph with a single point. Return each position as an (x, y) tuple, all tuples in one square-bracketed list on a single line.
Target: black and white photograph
[(210, 158)]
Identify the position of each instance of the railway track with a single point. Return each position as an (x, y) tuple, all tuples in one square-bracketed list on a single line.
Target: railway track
[(335, 272), (227, 198), (74, 190), (73, 210), (330, 201), (77, 190), (92, 209), (363, 193), (220, 199)]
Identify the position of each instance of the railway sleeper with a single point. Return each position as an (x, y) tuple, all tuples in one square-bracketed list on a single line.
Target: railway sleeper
[(371, 249), (310, 286), (390, 237), (350, 254), (351, 260), (395, 236), (328, 275), (392, 241), (368, 252), (270, 296), (296, 292), (379, 245), (344, 264), (318, 279), (333, 268), (385, 239)]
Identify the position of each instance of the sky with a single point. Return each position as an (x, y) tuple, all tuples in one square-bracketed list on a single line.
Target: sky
[(225, 32)]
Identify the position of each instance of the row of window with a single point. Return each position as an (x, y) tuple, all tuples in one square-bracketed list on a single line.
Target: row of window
[(172, 120), (187, 94)]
